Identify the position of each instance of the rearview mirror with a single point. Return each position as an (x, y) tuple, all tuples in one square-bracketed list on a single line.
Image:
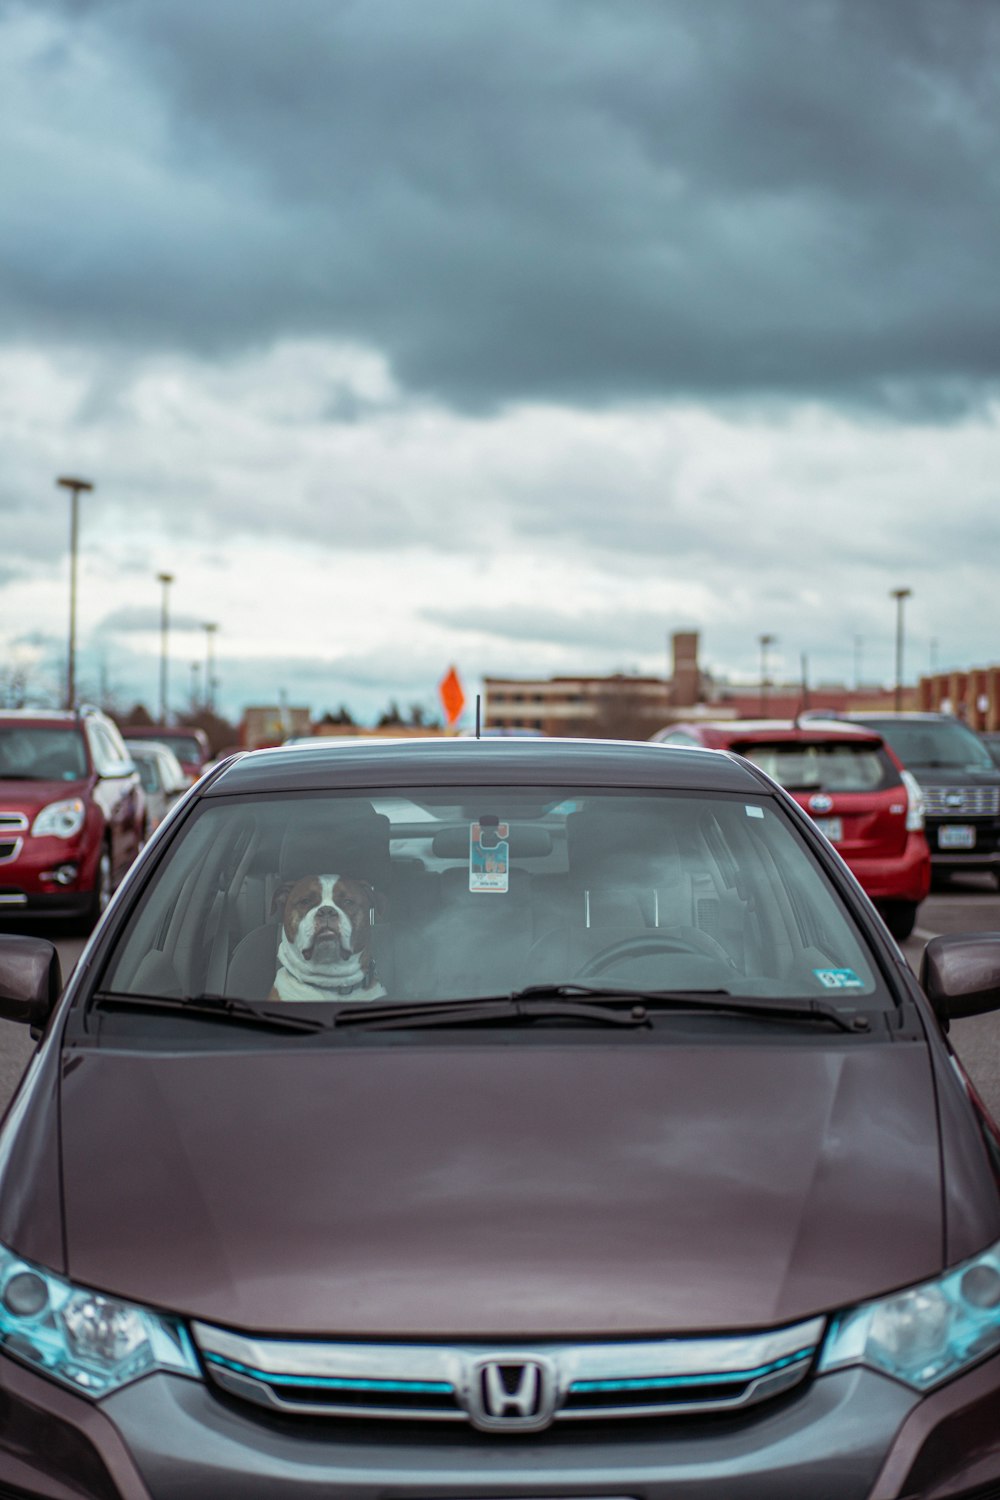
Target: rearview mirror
[(960, 974), (30, 979)]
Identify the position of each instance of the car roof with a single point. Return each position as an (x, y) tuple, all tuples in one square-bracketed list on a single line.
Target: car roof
[(164, 732), (736, 731), (384, 762), (905, 715), (37, 716), (150, 747)]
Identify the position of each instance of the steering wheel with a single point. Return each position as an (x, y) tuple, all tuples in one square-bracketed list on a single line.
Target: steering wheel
[(648, 945)]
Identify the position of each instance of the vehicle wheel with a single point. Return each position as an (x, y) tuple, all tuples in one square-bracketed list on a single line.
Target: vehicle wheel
[(101, 894), (899, 917)]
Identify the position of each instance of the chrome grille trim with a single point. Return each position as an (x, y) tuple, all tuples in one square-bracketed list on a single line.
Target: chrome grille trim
[(583, 1382), (13, 822), (976, 801), (10, 849)]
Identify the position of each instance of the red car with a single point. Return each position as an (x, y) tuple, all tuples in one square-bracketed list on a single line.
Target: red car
[(71, 813), (854, 788)]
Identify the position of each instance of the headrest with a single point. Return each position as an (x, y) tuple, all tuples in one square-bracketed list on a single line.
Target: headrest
[(347, 838), (621, 845)]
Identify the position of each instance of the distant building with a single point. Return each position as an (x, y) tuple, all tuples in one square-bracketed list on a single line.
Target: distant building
[(634, 707), (573, 705), (272, 723), (973, 696)]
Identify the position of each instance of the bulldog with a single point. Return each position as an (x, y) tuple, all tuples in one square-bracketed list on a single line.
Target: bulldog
[(325, 931)]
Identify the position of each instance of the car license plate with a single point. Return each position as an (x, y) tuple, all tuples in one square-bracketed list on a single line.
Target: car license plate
[(957, 836), (832, 827)]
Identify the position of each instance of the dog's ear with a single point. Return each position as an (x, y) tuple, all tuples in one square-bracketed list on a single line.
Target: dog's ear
[(280, 897)]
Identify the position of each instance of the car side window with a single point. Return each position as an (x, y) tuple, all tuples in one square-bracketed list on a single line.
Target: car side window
[(108, 750)]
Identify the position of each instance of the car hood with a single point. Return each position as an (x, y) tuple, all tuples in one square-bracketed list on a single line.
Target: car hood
[(31, 796), (609, 1188)]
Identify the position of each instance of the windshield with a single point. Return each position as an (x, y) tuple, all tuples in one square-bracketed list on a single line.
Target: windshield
[(42, 753), (836, 766), (424, 895), (943, 743), (186, 747), (148, 773)]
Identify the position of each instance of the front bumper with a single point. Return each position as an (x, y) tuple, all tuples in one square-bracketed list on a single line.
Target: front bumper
[(48, 877), (985, 851), (852, 1435)]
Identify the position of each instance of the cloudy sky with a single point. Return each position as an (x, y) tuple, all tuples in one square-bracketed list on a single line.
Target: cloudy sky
[(515, 335)]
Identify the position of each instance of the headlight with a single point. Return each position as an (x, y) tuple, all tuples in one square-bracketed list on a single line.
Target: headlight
[(63, 819), (91, 1342), (928, 1334)]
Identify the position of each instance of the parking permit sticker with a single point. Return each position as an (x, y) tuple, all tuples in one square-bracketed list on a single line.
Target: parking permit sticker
[(839, 979), (489, 853)]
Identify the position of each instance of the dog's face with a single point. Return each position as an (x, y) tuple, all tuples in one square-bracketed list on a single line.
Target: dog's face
[(326, 917)]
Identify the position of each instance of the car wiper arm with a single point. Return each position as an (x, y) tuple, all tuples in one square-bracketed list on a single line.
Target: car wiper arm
[(714, 1000), (216, 1007), (490, 1010)]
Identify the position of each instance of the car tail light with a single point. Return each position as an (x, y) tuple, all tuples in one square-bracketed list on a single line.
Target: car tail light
[(914, 803)]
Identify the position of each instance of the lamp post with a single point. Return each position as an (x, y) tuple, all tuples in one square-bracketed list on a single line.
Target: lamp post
[(209, 630), (764, 641), (899, 595), (74, 486), (166, 579)]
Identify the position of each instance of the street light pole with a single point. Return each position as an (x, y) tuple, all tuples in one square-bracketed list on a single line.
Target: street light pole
[(74, 486), (899, 595), (209, 630), (765, 641), (166, 579)]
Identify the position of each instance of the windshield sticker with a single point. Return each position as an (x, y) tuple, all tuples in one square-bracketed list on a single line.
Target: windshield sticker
[(753, 811), (489, 854), (839, 979)]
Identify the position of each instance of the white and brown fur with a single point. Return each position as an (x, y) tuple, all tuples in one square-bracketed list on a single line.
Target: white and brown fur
[(324, 952)]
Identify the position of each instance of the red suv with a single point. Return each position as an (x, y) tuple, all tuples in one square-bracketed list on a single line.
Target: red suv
[(853, 787), (71, 812)]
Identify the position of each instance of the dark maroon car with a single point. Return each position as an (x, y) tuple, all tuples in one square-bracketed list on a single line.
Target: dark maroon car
[(521, 1118), (72, 812)]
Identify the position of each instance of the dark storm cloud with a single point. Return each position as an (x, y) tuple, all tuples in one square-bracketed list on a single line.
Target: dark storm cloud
[(559, 199), (138, 619), (624, 630)]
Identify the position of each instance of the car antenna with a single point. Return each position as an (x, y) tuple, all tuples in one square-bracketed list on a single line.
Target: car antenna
[(478, 702)]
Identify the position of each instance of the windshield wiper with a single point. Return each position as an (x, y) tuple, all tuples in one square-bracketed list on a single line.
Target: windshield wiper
[(489, 1010), (714, 1000), (537, 1002), (216, 1007)]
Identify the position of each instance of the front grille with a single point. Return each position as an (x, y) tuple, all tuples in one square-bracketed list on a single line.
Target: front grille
[(962, 801), (513, 1389), (11, 824)]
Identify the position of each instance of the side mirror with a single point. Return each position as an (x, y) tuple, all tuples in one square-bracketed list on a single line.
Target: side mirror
[(960, 975), (30, 979)]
